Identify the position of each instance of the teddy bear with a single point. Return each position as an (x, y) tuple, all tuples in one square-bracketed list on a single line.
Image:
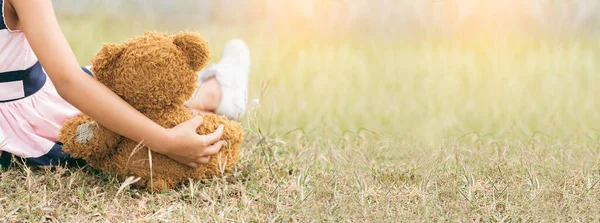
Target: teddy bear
[(155, 73)]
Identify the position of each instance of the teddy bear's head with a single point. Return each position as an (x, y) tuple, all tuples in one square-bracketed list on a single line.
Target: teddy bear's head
[(154, 70)]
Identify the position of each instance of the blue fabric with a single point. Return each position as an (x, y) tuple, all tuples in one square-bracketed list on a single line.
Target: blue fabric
[(5, 159), (86, 70), (33, 79), (2, 24), (56, 156)]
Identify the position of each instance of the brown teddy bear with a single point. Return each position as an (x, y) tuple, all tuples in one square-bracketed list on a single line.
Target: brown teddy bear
[(156, 74)]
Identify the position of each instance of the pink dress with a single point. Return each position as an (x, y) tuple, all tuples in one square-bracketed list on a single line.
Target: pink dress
[(31, 111)]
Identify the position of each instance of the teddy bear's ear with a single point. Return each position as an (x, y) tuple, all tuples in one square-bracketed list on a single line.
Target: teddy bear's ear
[(104, 60), (194, 47), (106, 56)]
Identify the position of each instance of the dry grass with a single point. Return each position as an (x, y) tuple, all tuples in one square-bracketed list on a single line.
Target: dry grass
[(322, 180), (367, 129)]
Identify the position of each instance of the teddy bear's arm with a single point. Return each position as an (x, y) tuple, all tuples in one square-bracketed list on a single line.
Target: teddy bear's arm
[(84, 138)]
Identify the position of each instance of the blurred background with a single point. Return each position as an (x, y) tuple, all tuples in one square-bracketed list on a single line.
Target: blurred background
[(401, 17), (423, 70)]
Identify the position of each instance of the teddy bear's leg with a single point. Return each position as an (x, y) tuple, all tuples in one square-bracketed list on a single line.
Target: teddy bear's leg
[(84, 138)]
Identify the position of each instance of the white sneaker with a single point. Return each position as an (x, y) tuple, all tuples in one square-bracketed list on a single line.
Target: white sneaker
[(232, 74)]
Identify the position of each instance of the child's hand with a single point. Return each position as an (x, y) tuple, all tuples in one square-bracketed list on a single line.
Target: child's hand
[(184, 145)]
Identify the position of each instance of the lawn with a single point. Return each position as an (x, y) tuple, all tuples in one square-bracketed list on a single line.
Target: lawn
[(368, 128)]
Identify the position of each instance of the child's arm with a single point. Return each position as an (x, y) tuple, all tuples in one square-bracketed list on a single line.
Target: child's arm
[(37, 19)]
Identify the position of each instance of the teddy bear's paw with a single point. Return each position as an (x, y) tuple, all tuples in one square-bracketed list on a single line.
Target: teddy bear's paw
[(85, 132)]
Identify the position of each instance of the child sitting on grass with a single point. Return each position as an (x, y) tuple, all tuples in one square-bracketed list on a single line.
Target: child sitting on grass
[(42, 85)]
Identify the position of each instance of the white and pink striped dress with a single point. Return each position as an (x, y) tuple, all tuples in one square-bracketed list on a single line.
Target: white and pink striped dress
[(31, 111)]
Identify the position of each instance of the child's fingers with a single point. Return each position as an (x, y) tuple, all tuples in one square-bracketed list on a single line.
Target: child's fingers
[(212, 138), (214, 149), (195, 122), (204, 160)]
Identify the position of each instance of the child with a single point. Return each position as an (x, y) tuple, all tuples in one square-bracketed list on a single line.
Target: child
[(35, 101)]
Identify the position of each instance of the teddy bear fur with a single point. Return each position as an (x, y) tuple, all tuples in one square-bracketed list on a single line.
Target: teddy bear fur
[(155, 73)]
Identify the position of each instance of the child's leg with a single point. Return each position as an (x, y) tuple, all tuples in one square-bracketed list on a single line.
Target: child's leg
[(223, 87), (207, 97)]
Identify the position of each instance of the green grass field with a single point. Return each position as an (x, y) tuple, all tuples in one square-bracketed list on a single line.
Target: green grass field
[(369, 129)]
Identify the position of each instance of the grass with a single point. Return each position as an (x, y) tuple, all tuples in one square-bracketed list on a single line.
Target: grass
[(368, 129)]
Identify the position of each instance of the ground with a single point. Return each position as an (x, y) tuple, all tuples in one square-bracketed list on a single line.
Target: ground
[(369, 129)]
